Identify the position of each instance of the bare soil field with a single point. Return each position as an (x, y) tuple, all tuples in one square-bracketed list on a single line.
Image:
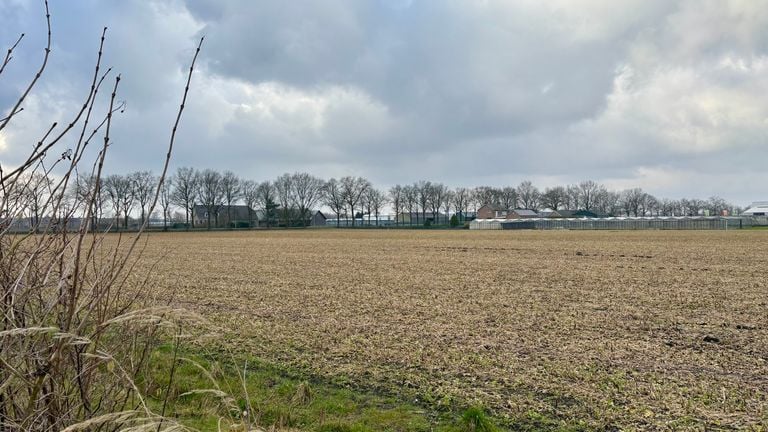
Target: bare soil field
[(617, 330)]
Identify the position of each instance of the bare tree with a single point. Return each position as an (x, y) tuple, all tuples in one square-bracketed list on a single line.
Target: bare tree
[(144, 185), (333, 197), (572, 197), (366, 205), (211, 194), (507, 198), (396, 198), (631, 201), (184, 192), (668, 207), (651, 206), (250, 191), (119, 190), (461, 197), (110, 188), (374, 200), (437, 194), (717, 206), (410, 198), (89, 191), (486, 195), (587, 191), (165, 200), (448, 204), (352, 189), (422, 188), (607, 202), (36, 191), (230, 187), (529, 195), (283, 187), (266, 200), (554, 198), (306, 191)]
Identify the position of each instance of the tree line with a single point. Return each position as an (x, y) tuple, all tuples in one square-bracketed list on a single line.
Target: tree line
[(290, 199)]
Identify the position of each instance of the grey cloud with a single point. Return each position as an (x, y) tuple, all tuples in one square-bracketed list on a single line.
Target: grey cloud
[(638, 92)]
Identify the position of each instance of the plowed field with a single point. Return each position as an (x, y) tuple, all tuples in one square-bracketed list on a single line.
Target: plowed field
[(641, 330)]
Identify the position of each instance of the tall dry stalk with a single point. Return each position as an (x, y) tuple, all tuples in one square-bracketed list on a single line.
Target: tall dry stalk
[(77, 328)]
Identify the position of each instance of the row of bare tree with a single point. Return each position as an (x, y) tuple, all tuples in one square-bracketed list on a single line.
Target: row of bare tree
[(290, 199), (595, 197)]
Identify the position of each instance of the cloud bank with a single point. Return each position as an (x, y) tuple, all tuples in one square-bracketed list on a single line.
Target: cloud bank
[(664, 95)]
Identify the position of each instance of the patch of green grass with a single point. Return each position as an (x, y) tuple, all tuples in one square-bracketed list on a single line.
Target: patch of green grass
[(475, 419), (280, 398), (277, 398)]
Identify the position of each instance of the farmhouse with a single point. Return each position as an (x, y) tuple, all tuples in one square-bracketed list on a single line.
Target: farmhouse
[(491, 211)]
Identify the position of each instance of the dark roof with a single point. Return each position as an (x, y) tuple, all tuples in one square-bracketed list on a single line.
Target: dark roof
[(525, 212), (578, 214), (564, 213), (589, 214)]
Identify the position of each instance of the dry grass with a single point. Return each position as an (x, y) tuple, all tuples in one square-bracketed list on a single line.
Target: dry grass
[(647, 330)]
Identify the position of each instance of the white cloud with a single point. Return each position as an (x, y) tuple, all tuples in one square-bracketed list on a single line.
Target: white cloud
[(682, 111)]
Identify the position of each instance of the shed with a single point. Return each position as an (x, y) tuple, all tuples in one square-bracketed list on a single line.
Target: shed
[(318, 219)]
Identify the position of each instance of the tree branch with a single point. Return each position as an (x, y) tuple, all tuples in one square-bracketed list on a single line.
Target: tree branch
[(9, 54)]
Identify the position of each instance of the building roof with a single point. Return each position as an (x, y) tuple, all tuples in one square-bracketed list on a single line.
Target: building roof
[(525, 212), (590, 214), (757, 207), (577, 214), (563, 213), (493, 207)]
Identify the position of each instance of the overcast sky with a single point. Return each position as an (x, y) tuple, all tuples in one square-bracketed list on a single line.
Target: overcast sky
[(665, 95)]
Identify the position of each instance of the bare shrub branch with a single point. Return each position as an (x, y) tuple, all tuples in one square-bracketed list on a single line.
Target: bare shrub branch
[(77, 325)]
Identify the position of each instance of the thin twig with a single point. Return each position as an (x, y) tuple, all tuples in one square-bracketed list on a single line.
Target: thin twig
[(9, 54), (37, 75), (40, 152)]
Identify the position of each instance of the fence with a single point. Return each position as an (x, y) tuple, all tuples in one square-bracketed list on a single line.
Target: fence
[(615, 223), (748, 221), (358, 222)]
